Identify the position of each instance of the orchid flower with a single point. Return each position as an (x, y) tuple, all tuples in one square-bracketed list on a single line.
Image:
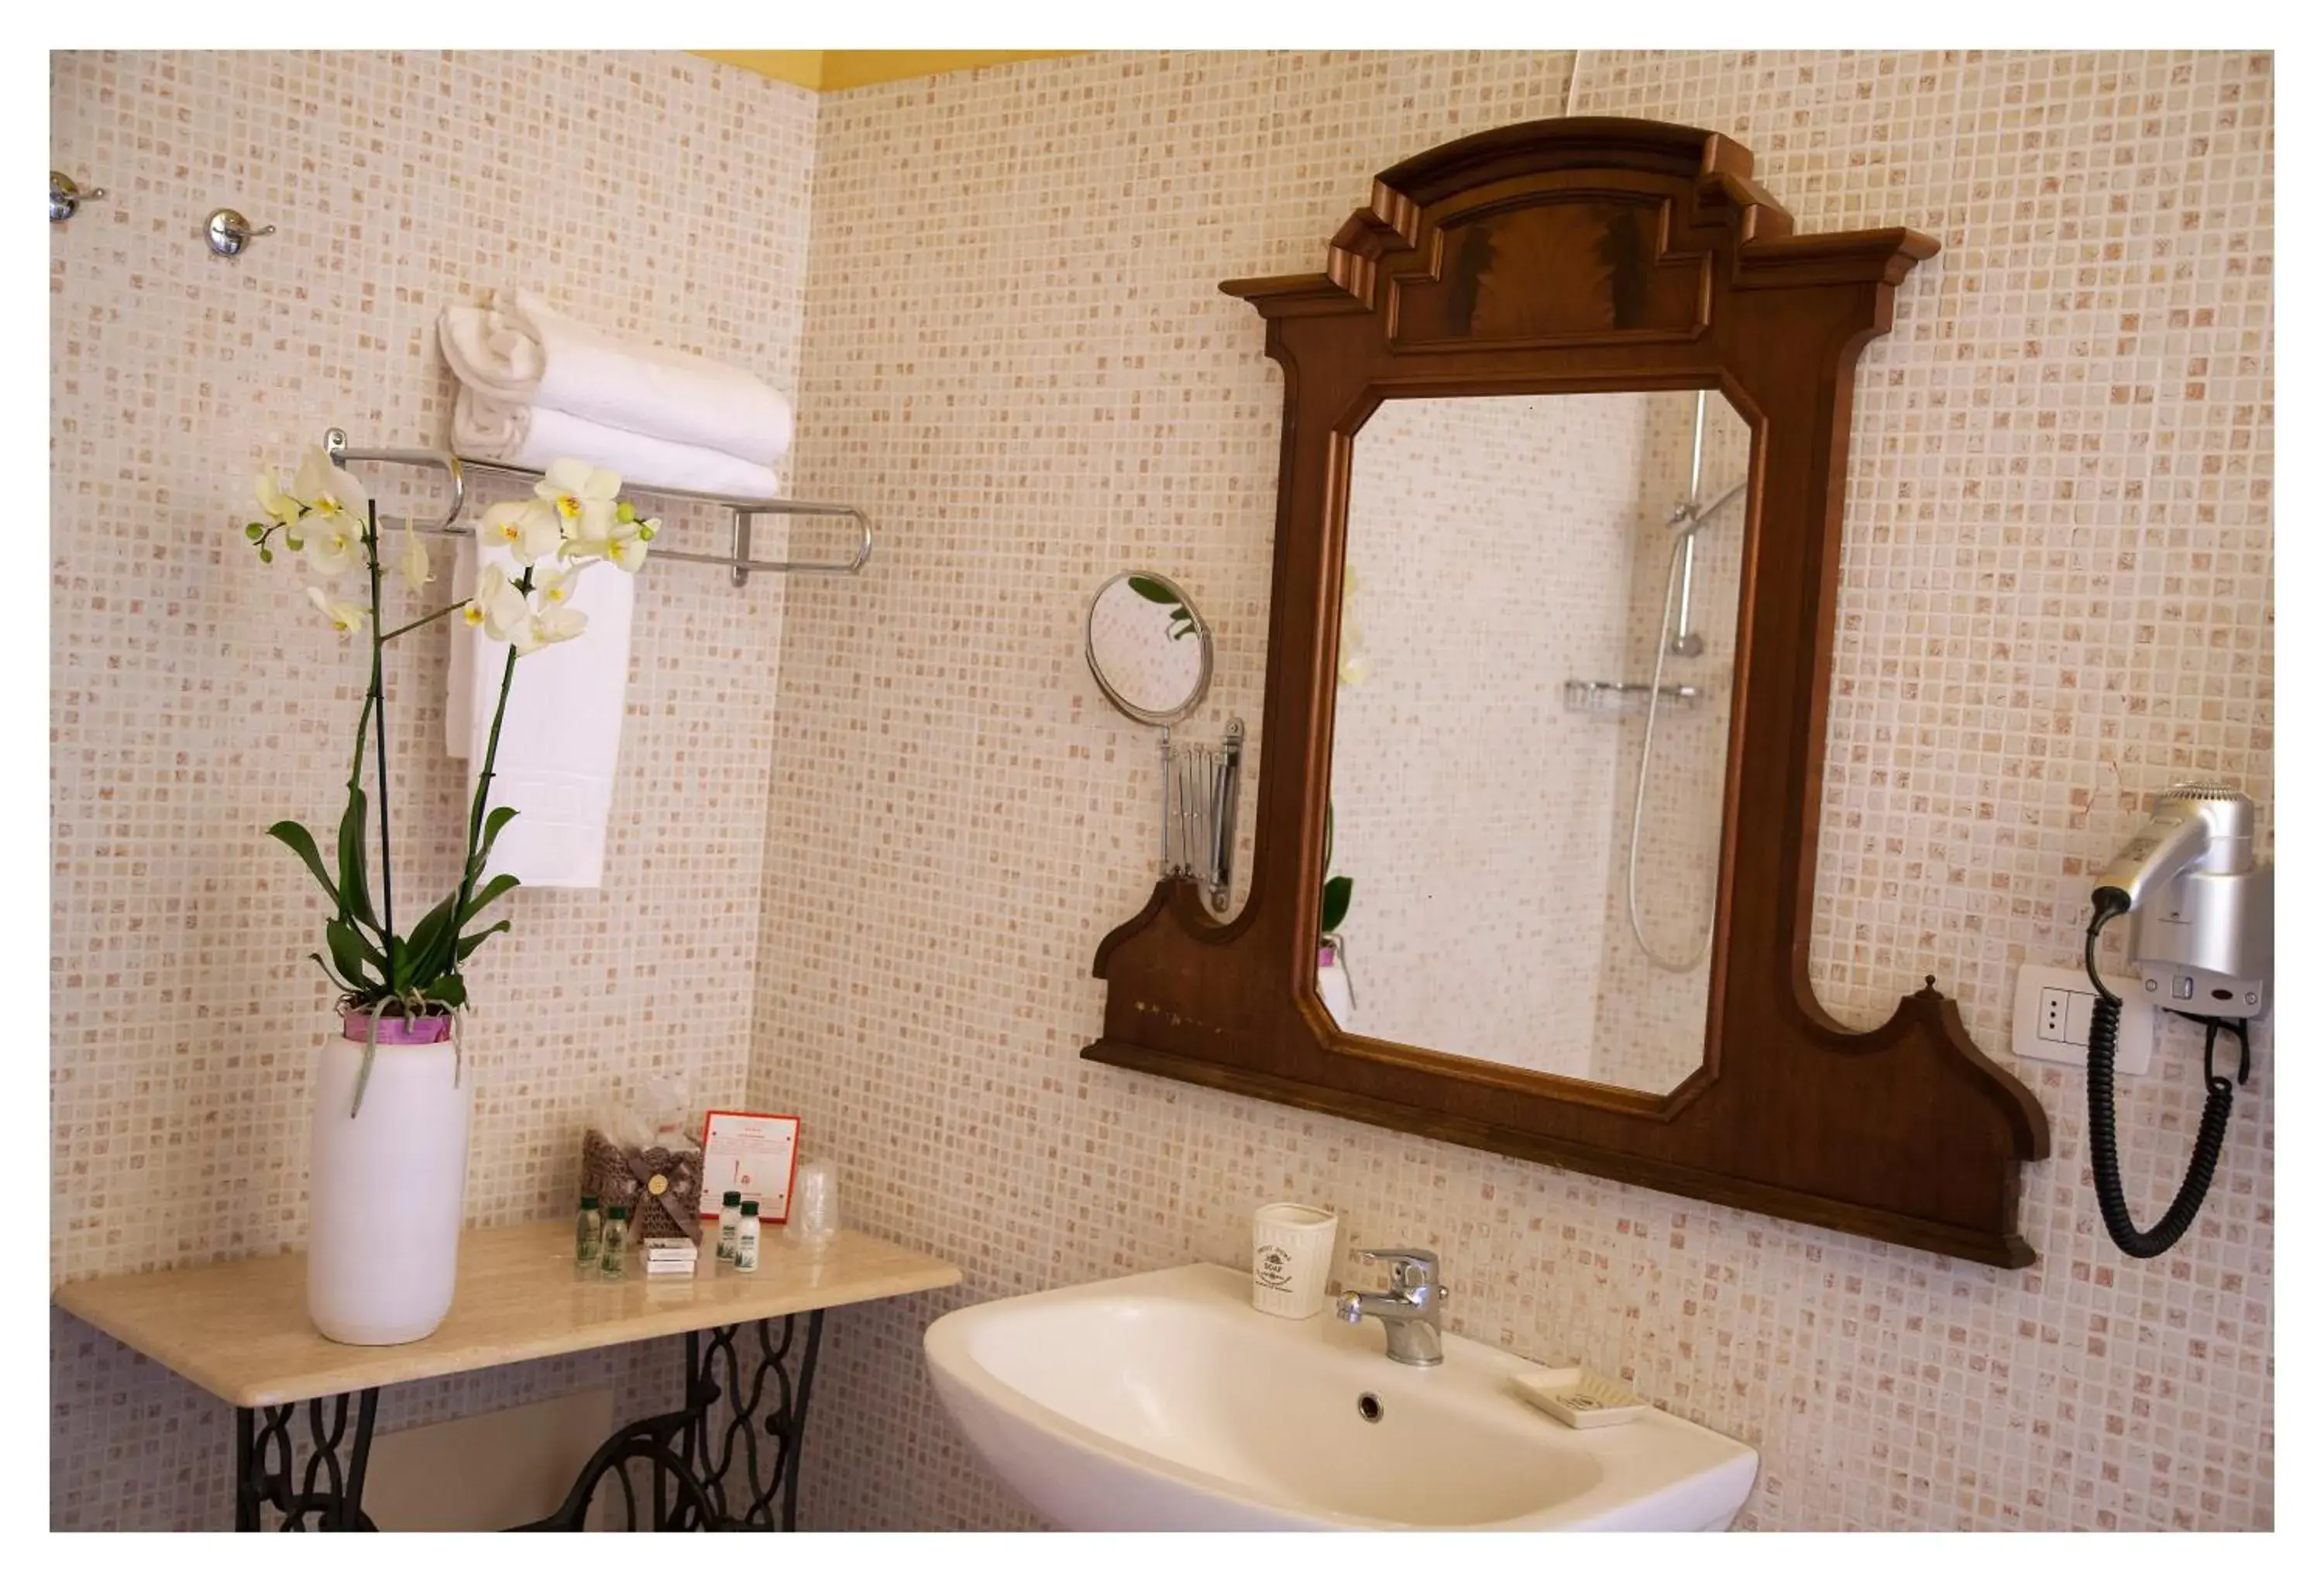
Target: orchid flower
[(329, 492), (627, 548), (619, 536), (544, 626), (332, 546), (496, 606), (506, 614), (285, 511), (553, 584), (624, 543), (1355, 665), (414, 564), (550, 616), (347, 619), (583, 497), (530, 529)]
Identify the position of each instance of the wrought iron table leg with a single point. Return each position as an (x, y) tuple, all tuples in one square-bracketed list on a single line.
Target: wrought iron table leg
[(325, 1489), (746, 1489), (795, 1430), (709, 1475), (679, 1500)]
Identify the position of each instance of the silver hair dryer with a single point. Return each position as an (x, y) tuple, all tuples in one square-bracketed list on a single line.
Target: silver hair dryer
[(2202, 930), (2202, 913)]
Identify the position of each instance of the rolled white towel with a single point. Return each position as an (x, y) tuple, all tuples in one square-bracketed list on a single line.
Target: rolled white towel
[(535, 436), (519, 350)]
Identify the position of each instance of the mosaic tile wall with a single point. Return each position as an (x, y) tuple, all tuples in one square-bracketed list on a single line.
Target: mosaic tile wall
[(1492, 543), (196, 698), (2056, 597)]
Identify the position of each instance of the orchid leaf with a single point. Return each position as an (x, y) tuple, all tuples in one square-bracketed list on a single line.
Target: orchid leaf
[(494, 888), (429, 951), (348, 952), (1337, 893), (468, 942), (447, 990), (355, 883), (316, 957), (1152, 591), (293, 834), (494, 823)]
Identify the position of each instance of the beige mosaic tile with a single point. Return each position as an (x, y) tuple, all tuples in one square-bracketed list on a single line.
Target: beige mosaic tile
[(2056, 597)]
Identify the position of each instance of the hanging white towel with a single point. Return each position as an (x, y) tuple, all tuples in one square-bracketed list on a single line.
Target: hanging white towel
[(492, 429), (520, 351), (562, 735)]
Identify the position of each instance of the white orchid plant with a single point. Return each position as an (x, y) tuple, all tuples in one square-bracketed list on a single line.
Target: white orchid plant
[(330, 527)]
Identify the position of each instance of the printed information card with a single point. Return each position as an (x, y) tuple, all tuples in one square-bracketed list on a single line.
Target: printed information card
[(755, 1155)]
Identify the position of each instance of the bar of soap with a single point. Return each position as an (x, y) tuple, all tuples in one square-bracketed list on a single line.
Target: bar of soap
[(1580, 1398), (669, 1256)]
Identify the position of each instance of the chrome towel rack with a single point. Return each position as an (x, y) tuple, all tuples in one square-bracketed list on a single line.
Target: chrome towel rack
[(744, 509)]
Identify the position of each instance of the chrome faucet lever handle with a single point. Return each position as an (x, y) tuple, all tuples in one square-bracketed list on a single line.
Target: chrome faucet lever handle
[(1407, 1267)]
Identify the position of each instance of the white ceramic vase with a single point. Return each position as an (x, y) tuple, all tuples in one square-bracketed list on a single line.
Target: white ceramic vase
[(387, 1182)]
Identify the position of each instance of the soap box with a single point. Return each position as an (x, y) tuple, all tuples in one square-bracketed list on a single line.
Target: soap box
[(1579, 1398)]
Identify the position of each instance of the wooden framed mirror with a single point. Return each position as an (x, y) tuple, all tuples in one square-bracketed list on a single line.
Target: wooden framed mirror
[(1571, 399)]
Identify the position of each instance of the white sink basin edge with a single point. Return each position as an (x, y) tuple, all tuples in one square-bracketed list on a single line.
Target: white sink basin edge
[(1164, 1401)]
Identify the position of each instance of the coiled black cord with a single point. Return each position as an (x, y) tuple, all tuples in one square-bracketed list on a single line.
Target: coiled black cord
[(2211, 1134)]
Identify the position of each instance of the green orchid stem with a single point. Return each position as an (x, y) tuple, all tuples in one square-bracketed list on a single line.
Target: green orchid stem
[(484, 777), (422, 621), (379, 693), (354, 781)]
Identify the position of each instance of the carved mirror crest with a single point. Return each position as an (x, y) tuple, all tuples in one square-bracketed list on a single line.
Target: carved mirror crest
[(1558, 544)]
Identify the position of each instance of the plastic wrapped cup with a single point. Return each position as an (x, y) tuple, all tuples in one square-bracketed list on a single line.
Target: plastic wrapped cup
[(1291, 1246), (815, 1204)]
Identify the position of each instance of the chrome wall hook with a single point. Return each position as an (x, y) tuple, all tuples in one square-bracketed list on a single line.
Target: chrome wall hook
[(66, 196), (227, 233)]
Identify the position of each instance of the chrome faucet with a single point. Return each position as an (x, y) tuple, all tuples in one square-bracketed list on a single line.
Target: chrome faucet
[(1412, 1308)]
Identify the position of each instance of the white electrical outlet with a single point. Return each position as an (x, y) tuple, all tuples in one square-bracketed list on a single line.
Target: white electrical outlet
[(2052, 1019)]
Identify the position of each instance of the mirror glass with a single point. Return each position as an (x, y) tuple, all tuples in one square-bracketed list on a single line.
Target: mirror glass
[(1149, 648), (1530, 742)]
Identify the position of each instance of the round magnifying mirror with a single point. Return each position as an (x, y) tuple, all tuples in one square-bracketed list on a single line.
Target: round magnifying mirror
[(1149, 648)]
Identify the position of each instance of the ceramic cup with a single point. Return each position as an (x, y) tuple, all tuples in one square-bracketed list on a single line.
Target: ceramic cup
[(1291, 1246)]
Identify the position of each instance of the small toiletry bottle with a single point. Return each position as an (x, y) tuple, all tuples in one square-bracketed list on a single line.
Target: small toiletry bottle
[(746, 1238), (588, 1233), (729, 1220), (615, 1264)]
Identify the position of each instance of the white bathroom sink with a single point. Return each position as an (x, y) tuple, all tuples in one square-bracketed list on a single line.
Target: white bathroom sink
[(1165, 1402)]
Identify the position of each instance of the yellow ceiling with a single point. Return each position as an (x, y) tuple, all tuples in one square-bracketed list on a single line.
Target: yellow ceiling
[(828, 71)]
